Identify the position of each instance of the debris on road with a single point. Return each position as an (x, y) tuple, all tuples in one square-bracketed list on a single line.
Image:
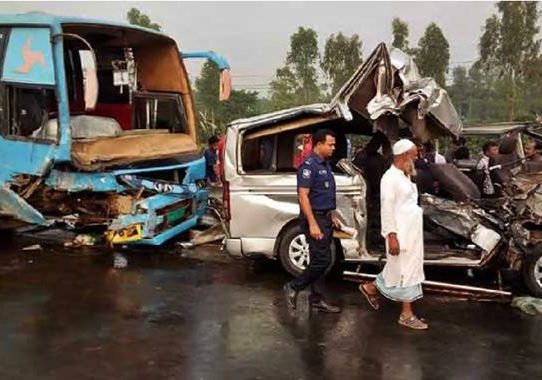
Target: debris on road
[(119, 261), (84, 240), (210, 235), (528, 305), (445, 288), (34, 247)]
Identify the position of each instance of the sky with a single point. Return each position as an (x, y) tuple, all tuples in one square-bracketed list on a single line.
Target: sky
[(254, 36)]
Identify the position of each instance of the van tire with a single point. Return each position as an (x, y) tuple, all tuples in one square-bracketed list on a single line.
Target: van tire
[(531, 266), (292, 235)]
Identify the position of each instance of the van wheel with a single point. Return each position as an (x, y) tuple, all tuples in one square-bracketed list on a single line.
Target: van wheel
[(294, 250), (532, 272)]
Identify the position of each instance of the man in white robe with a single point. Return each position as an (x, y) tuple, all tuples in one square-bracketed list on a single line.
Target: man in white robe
[(402, 227)]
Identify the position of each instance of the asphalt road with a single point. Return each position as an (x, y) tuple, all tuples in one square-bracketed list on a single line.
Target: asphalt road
[(70, 314)]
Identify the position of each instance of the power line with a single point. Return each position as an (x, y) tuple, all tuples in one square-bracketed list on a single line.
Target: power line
[(252, 75), (249, 86), (459, 62)]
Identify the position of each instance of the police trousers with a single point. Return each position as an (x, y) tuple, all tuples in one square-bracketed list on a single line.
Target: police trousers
[(321, 256)]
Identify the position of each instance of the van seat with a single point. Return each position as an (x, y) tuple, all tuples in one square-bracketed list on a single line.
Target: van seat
[(454, 183)]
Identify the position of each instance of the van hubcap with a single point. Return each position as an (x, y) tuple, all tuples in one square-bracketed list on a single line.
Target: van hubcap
[(299, 252), (538, 271)]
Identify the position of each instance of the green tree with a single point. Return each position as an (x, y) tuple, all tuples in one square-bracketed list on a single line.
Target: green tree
[(484, 74), (509, 52), (214, 115), (342, 56), (460, 91), (136, 17), (489, 43), (241, 104), (433, 54), (518, 44), (303, 57), (297, 82), (480, 108), (532, 100), (400, 33), (206, 87), (284, 89)]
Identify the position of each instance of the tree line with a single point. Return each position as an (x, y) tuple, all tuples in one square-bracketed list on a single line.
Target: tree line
[(504, 83)]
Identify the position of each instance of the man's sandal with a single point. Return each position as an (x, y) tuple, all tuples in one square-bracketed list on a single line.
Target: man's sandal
[(372, 299), (413, 322)]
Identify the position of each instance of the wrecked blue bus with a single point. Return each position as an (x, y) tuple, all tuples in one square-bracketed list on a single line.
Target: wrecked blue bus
[(98, 129)]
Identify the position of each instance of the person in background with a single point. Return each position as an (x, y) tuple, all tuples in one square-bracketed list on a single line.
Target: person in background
[(402, 227), (431, 155), (461, 153), (211, 161), (533, 151), (457, 143), (424, 179), (372, 163), (489, 150), (439, 158), (303, 150), (265, 154)]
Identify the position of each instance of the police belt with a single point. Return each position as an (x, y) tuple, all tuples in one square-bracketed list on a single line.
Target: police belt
[(322, 212)]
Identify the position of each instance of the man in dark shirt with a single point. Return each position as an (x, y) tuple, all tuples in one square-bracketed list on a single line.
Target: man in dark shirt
[(424, 179), (317, 200), (373, 164), (458, 143), (211, 160)]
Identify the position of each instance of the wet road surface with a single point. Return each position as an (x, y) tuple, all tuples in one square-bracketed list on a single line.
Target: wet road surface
[(69, 314)]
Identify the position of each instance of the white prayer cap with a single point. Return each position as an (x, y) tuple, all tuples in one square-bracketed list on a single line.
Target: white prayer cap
[(402, 146)]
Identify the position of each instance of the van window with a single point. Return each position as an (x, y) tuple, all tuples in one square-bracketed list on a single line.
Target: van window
[(302, 148), (258, 154)]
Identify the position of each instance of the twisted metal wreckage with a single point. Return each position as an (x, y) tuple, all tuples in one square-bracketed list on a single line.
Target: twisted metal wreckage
[(386, 94), (98, 129)]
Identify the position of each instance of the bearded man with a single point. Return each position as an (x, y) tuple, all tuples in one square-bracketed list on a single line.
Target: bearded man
[(402, 227)]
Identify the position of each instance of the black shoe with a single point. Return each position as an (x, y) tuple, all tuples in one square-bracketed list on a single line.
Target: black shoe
[(290, 294), (324, 307)]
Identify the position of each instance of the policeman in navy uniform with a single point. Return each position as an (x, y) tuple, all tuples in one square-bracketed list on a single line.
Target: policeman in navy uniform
[(316, 195)]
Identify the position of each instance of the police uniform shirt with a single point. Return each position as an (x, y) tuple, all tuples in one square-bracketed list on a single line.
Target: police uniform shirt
[(316, 175)]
